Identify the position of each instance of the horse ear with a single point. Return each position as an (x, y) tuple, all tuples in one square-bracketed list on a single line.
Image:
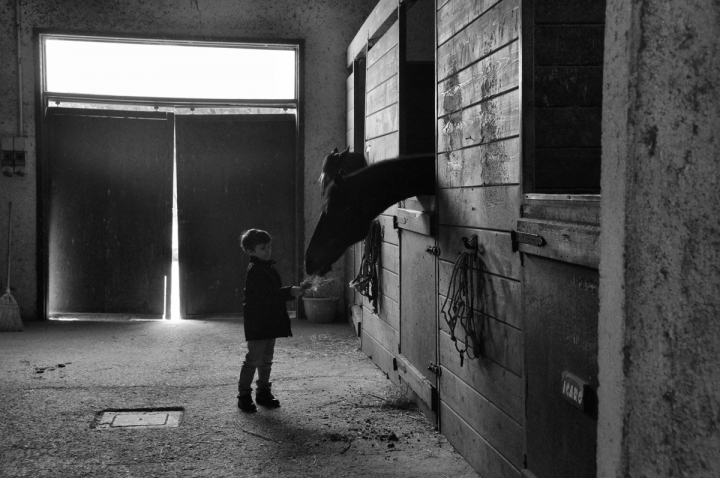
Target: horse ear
[(334, 151), (345, 152)]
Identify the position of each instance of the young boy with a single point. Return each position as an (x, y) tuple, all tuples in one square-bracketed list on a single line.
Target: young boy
[(265, 317)]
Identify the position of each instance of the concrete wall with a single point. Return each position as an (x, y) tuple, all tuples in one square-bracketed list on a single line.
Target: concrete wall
[(327, 26), (660, 267)]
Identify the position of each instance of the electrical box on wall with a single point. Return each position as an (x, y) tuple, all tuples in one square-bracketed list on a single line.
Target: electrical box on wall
[(14, 155), (8, 156)]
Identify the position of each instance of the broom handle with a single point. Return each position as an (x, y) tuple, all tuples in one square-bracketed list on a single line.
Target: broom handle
[(9, 235)]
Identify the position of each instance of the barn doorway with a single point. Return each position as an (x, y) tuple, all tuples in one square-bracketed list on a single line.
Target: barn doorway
[(150, 181)]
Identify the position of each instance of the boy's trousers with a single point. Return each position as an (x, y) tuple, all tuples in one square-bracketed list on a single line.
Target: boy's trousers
[(260, 357)]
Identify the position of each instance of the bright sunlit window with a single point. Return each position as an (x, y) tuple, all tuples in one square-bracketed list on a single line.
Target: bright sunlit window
[(168, 70)]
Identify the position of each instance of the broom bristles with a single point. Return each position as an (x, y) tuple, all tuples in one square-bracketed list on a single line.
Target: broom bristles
[(10, 320)]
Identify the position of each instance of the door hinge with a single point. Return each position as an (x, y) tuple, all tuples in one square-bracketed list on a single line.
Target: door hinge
[(399, 365), (518, 238), (435, 368), (434, 250)]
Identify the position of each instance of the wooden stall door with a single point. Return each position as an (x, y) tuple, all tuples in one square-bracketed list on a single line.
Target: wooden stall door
[(110, 187), (558, 236), (418, 326), (561, 310), (234, 172)]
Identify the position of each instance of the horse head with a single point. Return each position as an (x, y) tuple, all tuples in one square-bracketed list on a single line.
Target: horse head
[(343, 222), (351, 202), (344, 162)]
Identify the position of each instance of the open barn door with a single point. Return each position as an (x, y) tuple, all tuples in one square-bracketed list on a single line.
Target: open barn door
[(234, 172), (108, 223)]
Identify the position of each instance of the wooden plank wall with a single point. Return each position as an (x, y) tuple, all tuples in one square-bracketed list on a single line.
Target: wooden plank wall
[(567, 95), (372, 31), (382, 97), (384, 13), (380, 331), (478, 126)]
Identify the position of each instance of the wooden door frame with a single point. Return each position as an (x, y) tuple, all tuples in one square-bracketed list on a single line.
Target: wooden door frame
[(42, 98)]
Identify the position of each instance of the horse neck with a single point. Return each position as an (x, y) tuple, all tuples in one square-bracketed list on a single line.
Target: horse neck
[(383, 184)]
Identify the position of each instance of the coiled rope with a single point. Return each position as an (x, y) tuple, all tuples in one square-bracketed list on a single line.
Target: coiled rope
[(460, 301), (366, 282)]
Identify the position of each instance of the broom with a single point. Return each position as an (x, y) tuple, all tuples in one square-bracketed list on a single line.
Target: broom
[(10, 320)]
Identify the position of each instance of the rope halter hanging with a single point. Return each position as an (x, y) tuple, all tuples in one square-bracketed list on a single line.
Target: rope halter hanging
[(366, 282), (458, 308)]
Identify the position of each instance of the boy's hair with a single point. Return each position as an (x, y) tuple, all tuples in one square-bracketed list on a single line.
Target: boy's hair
[(252, 238)]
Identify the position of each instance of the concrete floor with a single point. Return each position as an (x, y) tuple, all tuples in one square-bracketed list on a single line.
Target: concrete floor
[(339, 415)]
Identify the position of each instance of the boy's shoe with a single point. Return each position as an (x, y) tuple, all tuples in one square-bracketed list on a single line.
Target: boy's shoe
[(245, 403), (266, 399)]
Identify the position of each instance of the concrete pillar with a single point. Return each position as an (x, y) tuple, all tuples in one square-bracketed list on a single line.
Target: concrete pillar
[(659, 324)]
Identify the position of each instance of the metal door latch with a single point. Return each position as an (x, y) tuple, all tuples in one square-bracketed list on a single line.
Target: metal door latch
[(518, 238), (434, 250), (434, 368)]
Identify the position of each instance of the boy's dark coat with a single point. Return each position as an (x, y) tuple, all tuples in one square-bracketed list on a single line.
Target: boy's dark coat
[(264, 307)]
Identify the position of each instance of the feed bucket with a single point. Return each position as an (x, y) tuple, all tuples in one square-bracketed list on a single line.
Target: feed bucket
[(320, 309)]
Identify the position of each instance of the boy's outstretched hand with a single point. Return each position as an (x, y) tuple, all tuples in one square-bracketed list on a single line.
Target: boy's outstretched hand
[(297, 291)]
